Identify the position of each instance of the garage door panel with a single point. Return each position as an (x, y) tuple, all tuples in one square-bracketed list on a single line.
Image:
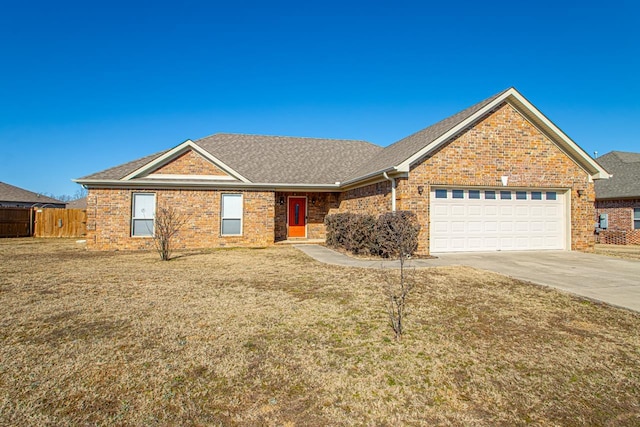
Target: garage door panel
[(458, 210), (521, 222), (490, 210), (458, 227)]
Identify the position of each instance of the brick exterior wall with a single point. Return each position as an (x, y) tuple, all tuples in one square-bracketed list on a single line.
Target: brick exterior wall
[(620, 230), (324, 203), (190, 163), (374, 199), (109, 219), (503, 143)]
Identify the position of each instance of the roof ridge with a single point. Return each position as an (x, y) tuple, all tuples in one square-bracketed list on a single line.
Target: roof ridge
[(281, 136)]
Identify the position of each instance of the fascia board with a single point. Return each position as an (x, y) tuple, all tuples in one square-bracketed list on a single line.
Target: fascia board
[(514, 98), (406, 165), (156, 183), (176, 151), (367, 177), (584, 160)]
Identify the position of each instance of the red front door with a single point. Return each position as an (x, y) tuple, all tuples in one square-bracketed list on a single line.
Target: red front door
[(297, 217)]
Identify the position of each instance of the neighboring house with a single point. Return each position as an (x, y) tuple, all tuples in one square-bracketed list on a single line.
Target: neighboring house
[(618, 199), (77, 204), (496, 176), (16, 197)]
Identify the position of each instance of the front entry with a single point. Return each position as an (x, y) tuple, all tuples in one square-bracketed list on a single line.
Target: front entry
[(297, 218)]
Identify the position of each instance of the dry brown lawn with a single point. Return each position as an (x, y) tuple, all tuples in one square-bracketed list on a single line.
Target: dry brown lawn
[(271, 337), (619, 251)]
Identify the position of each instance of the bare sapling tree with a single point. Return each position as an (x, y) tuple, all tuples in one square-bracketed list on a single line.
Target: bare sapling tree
[(398, 238), (168, 223)]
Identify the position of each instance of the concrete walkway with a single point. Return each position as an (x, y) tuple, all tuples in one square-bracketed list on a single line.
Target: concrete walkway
[(611, 280)]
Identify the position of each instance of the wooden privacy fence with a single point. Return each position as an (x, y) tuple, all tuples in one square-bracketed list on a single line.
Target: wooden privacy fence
[(52, 222), (16, 222)]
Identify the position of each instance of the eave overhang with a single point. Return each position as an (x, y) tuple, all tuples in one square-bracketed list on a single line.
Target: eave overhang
[(530, 113)]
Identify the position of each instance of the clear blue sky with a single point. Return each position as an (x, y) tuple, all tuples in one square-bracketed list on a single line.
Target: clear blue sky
[(89, 85)]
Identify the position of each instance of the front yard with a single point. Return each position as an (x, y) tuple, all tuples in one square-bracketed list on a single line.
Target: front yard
[(271, 337)]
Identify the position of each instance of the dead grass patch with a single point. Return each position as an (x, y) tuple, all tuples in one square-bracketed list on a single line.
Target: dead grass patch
[(619, 251), (271, 337)]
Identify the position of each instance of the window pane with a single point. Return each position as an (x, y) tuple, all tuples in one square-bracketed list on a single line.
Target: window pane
[(521, 195), (441, 194), (142, 227), (458, 194), (505, 195), (144, 205), (536, 195), (636, 213), (232, 205), (551, 195), (474, 194), (489, 194), (231, 226)]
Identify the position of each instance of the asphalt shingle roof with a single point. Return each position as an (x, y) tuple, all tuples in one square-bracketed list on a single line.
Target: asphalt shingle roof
[(288, 160), (292, 160), (400, 151), (272, 159), (11, 193), (625, 182), (120, 171)]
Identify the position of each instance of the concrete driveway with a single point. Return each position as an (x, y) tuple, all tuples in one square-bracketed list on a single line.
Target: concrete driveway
[(611, 280), (614, 281)]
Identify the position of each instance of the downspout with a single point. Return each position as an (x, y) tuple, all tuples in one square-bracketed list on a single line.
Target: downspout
[(393, 190)]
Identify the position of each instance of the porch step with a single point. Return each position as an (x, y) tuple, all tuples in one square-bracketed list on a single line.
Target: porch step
[(301, 241)]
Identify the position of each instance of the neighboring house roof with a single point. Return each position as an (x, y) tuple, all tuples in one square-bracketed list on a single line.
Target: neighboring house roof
[(11, 193), (77, 204), (281, 161), (625, 179)]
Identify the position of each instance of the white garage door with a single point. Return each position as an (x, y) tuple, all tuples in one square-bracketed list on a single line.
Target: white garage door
[(464, 220)]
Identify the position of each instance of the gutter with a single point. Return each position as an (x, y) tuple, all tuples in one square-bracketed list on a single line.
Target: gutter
[(393, 190)]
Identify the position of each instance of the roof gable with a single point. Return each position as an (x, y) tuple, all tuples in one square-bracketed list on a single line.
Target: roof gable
[(175, 154), (401, 155), (625, 179), (332, 163)]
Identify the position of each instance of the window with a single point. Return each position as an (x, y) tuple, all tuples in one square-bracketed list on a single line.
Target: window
[(458, 194), (489, 194), (505, 195), (474, 194), (441, 194), (551, 195), (143, 212), (231, 215), (521, 195), (536, 195), (636, 218)]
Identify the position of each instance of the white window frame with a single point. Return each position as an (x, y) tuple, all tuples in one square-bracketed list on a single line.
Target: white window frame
[(228, 217), (636, 219), (135, 218)]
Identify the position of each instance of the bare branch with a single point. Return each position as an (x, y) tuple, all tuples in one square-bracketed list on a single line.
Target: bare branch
[(168, 223)]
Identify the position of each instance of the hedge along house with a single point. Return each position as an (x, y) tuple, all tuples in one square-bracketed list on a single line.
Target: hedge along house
[(496, 176)]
